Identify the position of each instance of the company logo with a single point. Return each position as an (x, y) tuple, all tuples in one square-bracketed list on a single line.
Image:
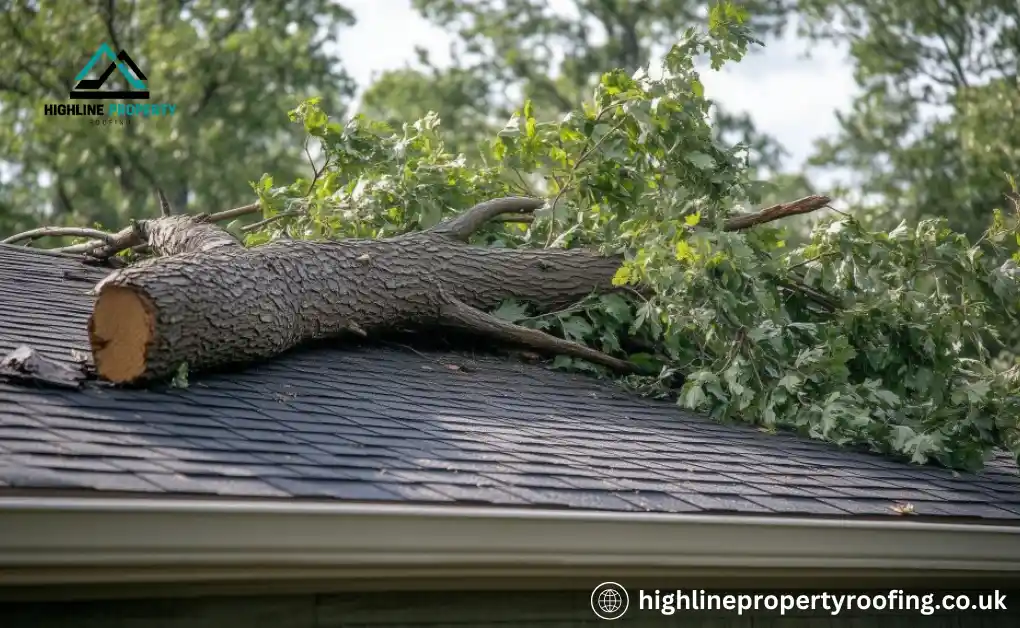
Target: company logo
[(121, 69), (609, 600), (89, 89)]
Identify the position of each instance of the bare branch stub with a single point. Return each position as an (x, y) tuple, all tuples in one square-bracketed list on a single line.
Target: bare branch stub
[(805, 205), (463, 225)]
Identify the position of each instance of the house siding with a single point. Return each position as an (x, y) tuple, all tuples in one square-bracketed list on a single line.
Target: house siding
[(432, 609)]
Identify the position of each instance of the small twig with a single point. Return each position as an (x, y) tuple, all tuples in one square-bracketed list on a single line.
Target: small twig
[(524, 184), (123, 239), (552, 216), (76, 248), (588, 153), (570, 309), (412, 350), (580, 160), (734, 348), (317, 172), (809, 293), (262, 223), (53, 253), (839, 211), (812, 259), (62, 232), (234, 213)]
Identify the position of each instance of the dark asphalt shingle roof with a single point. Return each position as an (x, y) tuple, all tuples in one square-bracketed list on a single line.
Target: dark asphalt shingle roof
[(382, 424)]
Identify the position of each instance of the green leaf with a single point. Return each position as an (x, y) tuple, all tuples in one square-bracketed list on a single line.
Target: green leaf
[(790, 382), (562, 362), (511, 311), (701, 160), (694, 396), (575, 328), (622, 276), (617, 307)]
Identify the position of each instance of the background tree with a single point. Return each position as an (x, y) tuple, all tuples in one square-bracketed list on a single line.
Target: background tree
[(934, 130), (551, 53), (233, 68)]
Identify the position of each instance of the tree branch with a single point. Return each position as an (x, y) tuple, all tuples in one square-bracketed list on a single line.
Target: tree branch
[(165, 209), (128, 237), (268, 221), (216, 83), (108, 19), (805, 205), (460, 227), (454, 313)]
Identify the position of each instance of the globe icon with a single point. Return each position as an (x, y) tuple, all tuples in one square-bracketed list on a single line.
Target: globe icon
[(610, 601)]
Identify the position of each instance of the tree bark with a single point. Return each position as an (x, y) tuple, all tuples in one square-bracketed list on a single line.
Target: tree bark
[(211, 302)]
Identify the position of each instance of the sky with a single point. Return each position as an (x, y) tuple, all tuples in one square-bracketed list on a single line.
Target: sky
[(790, 95)]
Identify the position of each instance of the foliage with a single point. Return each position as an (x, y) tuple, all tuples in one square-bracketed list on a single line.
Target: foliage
[(231, 68), (552, 54), (933, 129), (880, 340)]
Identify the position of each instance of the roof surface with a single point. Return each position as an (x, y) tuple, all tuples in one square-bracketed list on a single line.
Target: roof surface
[(383, 424)]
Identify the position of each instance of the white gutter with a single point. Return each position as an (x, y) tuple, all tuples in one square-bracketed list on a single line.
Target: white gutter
[(39, 534)]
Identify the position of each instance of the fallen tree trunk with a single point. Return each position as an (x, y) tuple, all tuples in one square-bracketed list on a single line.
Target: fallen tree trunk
[(207, 301), (212, 302)]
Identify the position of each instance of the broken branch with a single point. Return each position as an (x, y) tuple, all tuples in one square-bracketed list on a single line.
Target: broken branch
[(783, 210)]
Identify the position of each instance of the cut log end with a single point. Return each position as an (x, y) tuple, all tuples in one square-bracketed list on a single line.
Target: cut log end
[(120, 330)]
